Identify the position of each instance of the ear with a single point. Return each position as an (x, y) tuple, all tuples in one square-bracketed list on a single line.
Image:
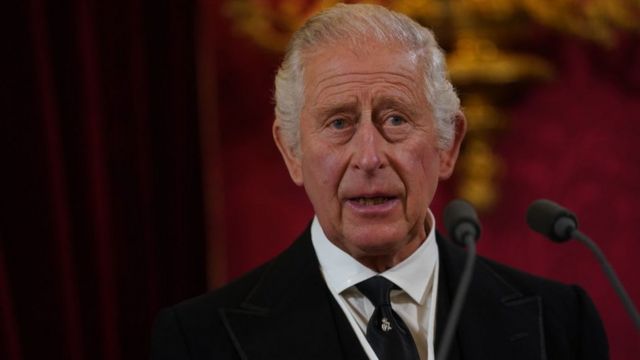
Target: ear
[(290, 156), (448, 157)]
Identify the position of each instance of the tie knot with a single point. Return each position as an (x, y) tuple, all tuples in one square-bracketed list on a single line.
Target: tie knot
[(377, 290)]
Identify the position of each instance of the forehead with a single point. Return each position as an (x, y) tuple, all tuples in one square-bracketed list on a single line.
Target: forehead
[(331, 70)]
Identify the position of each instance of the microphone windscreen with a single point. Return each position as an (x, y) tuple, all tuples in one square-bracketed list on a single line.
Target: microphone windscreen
[(458, 212), (542, 216)]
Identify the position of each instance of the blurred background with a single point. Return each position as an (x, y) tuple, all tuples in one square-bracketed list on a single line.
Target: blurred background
[(139, 168)]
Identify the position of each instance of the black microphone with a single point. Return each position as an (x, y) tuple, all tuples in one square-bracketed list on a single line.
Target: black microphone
[(551, 220), (463, 226), (461, 222), (560, 225)]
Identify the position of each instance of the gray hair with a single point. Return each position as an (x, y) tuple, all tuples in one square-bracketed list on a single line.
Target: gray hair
[(353, 23)]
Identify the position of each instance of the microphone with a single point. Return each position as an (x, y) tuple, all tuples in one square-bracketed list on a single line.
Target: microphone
[(551, 220), (560, 225), (461, 221), (463, 226)]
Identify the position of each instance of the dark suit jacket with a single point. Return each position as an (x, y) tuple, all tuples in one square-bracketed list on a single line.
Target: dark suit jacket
[(284, 310)]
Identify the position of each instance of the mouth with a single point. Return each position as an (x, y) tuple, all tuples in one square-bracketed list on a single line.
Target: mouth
[(374, 205), (370, 201)]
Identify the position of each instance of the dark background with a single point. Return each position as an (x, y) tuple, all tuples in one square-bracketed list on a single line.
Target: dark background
[(139, 170)]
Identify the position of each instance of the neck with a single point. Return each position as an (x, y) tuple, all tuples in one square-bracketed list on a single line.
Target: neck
[(382, 262)]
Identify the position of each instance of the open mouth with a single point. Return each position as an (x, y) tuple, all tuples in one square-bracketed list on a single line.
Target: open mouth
[(368, 201)]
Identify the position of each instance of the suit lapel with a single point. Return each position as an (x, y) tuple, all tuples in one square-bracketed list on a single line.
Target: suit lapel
[(289, 314), (497, 321)]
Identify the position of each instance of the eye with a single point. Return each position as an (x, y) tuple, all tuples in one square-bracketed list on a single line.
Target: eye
[(339, 123), (395, 120)]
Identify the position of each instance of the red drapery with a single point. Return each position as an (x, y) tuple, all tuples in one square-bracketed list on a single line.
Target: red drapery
[(103, 213)]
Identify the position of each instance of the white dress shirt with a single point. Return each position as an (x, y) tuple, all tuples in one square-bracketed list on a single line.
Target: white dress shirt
[(416, 276)]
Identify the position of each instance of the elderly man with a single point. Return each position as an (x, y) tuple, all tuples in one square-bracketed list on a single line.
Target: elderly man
[(368, 123)]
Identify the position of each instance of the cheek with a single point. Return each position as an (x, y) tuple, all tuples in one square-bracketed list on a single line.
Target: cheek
[(422, 167), (323, 168)]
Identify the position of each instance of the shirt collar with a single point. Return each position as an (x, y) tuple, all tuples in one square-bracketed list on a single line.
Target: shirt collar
[(341, 271)]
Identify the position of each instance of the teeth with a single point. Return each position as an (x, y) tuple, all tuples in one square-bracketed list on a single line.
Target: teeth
[(372, 201)]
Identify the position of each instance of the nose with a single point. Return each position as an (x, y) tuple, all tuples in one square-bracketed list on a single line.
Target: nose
[(368, 146)]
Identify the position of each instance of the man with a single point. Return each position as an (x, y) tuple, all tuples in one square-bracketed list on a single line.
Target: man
[(368, 123)]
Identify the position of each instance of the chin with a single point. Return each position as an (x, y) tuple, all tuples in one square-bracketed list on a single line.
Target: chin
[(375, 242)]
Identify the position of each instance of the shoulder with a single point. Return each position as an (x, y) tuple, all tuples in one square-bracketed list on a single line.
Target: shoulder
[(526, 283), (190, 326), (229, 295), (509, 300), (568, 315), (562, 302), (185, 330), (234, 294), (508, 279)]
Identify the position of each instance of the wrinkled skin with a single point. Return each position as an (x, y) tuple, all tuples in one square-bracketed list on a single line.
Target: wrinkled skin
[(368, 157)]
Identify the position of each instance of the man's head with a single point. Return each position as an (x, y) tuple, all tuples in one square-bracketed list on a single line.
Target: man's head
[(368, 123), (352, 24)]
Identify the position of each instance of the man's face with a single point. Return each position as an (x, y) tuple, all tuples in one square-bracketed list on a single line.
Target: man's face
[(368, 158)]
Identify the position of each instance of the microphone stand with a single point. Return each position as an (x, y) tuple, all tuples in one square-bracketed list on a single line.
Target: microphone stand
[(461, 295), (560, 225), (610, 273)]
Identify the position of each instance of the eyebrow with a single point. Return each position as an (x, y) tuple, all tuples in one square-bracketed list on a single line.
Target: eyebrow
[(384, 103), (338, 107)]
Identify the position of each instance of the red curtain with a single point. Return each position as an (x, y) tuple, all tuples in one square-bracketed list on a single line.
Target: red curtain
[(103, 212)]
